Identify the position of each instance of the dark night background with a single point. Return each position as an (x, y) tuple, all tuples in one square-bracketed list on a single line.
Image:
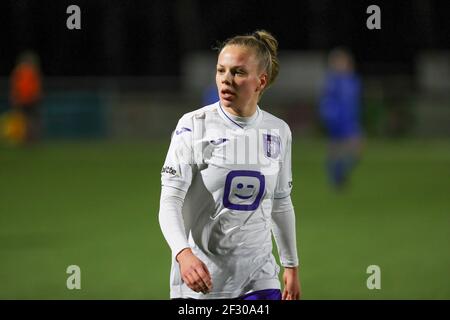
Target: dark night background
[(120, 38)]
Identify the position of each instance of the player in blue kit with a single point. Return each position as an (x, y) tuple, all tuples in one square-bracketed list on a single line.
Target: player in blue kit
[(340, 112), (226, 185)]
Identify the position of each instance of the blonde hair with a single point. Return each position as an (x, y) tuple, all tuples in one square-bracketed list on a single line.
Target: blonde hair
[(266, 48)]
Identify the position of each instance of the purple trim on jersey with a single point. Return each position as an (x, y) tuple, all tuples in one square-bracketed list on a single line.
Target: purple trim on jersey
[(183, 129), (219, 141), (229, 117), (268, 294)]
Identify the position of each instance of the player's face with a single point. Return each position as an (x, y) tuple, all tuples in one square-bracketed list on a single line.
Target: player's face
[(239, 78), (341, 63)]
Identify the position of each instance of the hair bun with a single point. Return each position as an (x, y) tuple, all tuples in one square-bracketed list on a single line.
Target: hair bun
[(257, 35)]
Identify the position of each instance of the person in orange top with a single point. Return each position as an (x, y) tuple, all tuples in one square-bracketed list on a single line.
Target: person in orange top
[(26, 93)]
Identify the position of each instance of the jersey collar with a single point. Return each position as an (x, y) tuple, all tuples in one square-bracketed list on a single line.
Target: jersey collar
[(233, 120)]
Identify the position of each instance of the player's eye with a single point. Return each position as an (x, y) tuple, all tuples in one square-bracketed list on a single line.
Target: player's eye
[(220, 70)]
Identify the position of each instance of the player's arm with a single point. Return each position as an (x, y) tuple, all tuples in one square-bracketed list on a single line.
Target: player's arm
[(283, 225), (193, 271), (283, 228), (176, 177)]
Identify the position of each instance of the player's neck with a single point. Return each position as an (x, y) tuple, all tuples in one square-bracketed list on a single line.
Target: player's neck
[(243, 112)]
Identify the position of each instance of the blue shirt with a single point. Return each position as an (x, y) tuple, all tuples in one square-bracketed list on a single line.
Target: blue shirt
[(340, 104)]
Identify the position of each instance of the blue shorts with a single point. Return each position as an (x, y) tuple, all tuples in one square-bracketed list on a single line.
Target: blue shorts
[(268, 294), (340, 132)]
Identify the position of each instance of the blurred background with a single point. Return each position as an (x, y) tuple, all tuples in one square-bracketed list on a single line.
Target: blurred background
[(86, 117)]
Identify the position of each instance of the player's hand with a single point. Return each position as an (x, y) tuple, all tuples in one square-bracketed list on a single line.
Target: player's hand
[(194, 272), (292, 290)]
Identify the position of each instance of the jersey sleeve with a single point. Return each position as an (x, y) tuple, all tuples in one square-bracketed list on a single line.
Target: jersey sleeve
[(283, 228), (284, 182), (177, 169)]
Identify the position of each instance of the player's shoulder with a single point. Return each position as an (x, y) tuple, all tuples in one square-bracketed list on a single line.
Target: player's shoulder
[(275, 122), (199, 113), (186, 123)]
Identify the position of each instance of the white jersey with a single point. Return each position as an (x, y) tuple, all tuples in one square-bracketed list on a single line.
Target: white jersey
[(231, 174)]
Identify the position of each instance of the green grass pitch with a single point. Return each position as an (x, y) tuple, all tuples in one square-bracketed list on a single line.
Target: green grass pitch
[(95, 205)]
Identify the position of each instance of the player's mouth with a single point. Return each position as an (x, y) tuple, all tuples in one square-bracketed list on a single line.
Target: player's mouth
[(227, 94)]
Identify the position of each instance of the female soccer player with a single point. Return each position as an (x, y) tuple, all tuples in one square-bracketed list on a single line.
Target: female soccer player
[(226, 185)]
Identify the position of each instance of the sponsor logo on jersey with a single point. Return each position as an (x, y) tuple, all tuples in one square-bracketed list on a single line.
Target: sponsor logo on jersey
[(218, 141), (169, 170), (183, 129), (272, 145), (243, 190)]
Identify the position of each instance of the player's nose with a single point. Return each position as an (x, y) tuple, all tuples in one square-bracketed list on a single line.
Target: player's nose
[(227, 77)]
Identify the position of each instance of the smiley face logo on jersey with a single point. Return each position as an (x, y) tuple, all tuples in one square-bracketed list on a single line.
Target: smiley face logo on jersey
[(243, 190), (249, 187)]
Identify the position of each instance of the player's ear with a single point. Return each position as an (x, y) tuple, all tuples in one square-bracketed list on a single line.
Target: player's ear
[(262, 82)]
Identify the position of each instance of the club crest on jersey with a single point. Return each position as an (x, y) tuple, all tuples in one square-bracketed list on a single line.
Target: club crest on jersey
[(272, 145)]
